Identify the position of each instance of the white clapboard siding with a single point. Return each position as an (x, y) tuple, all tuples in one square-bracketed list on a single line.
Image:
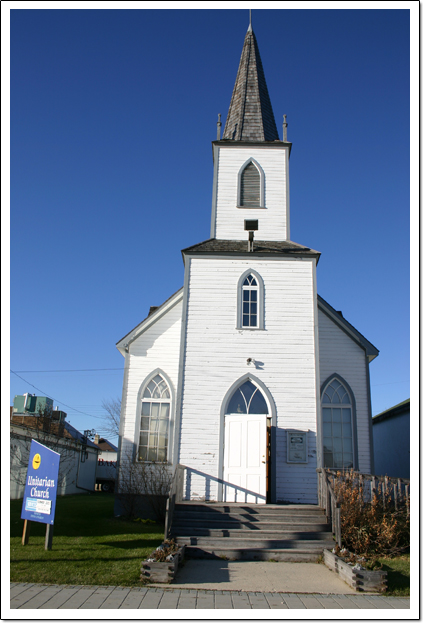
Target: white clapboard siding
[(216, 356), (229, 219), (157, 347), (340, 354)]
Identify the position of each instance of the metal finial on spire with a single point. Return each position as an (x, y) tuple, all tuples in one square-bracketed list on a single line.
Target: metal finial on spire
[(250, 27), (285, 129), (219, 125)]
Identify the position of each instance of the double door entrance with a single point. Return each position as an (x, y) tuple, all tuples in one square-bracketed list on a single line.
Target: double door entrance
[(246, 458)]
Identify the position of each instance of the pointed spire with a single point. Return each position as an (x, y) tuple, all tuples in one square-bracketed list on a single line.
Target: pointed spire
[(250, 116)]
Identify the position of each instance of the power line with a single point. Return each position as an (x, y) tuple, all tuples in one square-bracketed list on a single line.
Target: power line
[(76, 370), (59, 401)]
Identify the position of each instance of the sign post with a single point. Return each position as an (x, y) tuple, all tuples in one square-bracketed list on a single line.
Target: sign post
[(39, 502)]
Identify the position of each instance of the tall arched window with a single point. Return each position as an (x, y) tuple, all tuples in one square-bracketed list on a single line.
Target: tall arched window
[(251, 185), (154, 423), (247, 399), (338, 418), (250, 301)]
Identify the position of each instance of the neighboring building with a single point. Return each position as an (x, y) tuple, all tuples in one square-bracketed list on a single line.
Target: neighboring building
[(245, 375), (391, 441), (106, 464), (33, 417)]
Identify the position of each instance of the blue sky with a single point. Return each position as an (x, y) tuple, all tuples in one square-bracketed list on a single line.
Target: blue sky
[(112, 116)]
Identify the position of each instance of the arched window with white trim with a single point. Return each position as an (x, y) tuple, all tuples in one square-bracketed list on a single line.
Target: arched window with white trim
[(251, 185), (338, 419), (250, 301), (247, 399), (154, 421)]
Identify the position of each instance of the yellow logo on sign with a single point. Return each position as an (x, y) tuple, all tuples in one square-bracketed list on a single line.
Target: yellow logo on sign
[(36, 461)]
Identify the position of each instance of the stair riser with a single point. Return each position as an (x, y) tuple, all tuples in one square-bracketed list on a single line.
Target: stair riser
[(265, 510), (209, 544), (277, 556), (253, 534), (176, 527)]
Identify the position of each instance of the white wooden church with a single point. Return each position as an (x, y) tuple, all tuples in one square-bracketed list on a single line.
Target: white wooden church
[(245, 375)]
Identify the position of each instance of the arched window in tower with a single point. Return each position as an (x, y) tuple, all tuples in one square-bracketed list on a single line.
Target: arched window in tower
[(251, 185), (247, 399), (250, 301), (154, 422), (337, 417)]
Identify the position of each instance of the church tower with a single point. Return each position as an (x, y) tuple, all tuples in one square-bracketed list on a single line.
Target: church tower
[(249, 358)]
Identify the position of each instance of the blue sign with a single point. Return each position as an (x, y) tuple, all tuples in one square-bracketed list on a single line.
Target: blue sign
[(39, 503)]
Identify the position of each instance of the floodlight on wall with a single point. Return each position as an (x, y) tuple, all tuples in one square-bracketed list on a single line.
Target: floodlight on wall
[(251, 227)]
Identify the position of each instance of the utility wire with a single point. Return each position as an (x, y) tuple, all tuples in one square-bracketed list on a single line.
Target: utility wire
[(59, 401), (81, 370)]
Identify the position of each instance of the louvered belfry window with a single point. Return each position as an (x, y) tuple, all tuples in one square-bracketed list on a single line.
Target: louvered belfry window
[(250, 186)]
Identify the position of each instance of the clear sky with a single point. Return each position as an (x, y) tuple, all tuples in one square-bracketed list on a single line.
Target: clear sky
[(112, 117)]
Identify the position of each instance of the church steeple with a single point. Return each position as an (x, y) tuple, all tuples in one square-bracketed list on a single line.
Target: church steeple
[(250, 116)]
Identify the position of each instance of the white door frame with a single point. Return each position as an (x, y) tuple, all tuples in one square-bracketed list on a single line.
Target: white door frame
[(272, 415)]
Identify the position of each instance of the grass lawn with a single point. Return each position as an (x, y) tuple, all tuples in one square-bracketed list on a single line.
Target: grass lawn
[(90, 545), (398, 574)]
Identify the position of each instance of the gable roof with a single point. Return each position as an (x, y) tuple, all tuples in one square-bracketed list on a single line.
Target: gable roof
[(399, 409), (152, 317), (250, 116), (371, 351), (261, 247)]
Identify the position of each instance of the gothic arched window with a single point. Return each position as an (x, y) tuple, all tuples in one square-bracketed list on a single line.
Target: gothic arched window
[(247, 399), (251, 185), (250, 301), (338, 420), (154, 422)]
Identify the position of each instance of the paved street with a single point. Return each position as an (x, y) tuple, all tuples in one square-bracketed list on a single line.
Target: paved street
[(40, 596)]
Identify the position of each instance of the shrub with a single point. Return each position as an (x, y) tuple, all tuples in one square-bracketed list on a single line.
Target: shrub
[(372, 525)]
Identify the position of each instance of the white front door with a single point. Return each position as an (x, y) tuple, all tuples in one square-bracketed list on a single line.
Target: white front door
[(244, 463)]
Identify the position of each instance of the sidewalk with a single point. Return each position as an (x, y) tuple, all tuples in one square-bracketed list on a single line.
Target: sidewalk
[(40, 596)]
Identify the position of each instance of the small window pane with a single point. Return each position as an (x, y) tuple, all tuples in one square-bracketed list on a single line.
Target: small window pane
[(155, 409), (337, 459), (237, 403), (246, 295), (254, 295), (152, 454), (142, 453), (162, 441), (348, 460), (327, 429), (346, 415), (253, 321), (245, 320), (253, 282), (335, 384), (246, 308), (164, 411), (162, 454), (145, 423), (337, 444), (348, 445), (246, 281), (150, 389), (326, 398), (327, 417), (258, 404), (145, 409), (336, 415), (336, 430), (335, 397), (144, 439), (153, 439), (330, 392), (254, 308), (327, 444), (328, 460)]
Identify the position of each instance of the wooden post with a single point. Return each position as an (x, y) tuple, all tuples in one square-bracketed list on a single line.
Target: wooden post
[(49, 536), (396, 496), (25, 533), (338, 525)]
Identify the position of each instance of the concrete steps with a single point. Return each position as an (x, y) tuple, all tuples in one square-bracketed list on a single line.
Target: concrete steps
[(251, 532)]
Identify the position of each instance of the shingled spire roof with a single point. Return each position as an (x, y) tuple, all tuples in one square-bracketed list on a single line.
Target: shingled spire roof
[(250, 116)]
